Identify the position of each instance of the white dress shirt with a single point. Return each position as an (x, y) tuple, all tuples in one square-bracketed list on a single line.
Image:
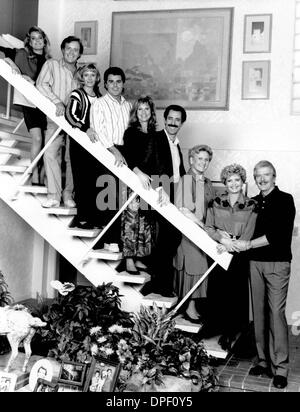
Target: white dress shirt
[(175, 157)]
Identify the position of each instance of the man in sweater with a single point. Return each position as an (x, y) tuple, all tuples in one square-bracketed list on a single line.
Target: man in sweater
[(270, 265)]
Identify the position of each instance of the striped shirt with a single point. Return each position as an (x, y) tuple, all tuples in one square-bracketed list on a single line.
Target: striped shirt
[(56, 81), (109, 119)]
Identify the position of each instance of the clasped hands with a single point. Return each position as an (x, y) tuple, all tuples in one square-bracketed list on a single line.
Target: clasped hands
[(227, 244)]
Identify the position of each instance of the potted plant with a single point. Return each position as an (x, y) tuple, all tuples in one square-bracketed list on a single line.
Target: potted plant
[(70, 318), (154, 354)]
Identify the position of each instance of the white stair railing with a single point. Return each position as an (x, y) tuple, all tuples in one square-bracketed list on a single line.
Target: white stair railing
[(170, 212)]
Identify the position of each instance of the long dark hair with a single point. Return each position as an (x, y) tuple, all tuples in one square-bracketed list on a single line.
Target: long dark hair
[(133, 119), (27, 46)]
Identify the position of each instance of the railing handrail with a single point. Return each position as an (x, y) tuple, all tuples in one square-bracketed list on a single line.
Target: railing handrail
[(170, 212)]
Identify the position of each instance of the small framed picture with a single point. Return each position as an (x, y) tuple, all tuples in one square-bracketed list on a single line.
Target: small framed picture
[(7, 382), (257, 33), (42, 385), (62, 387), (87, 31), (102, 376), (256, 79), (72, 373)]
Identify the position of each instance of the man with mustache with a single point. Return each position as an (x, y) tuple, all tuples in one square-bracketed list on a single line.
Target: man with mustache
[(164, 163), (270, 265)]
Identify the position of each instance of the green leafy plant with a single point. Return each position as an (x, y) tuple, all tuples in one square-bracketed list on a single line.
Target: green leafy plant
[(70, 318)]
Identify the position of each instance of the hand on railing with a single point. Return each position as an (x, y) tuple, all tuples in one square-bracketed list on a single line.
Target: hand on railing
[(144, 178), (92, 135), (119, 159), (60, 109)]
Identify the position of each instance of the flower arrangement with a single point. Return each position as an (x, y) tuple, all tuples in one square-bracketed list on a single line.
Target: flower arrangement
[(152, 349)]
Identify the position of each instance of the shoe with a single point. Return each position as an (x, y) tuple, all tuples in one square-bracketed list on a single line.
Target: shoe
[(140, 265), (69, 203), (123, 268), (225, 342), (51, 203), (259, 370), (192, 320), (280, 382)]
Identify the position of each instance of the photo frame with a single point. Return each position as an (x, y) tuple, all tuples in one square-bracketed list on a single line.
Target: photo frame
[(42, 385), (257, 33), (87, 31), (7, 382), (102, 376), (72, 373), (220, 188), (176, 56), (62, 387), (256, 79)]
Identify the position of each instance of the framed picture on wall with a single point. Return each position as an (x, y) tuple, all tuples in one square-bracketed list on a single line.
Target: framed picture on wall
[(257, 33), (256, 79), (87, 31), (176, 56)]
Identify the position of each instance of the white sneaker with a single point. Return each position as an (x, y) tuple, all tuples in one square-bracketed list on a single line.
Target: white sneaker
[(51, 203), (69, 203)]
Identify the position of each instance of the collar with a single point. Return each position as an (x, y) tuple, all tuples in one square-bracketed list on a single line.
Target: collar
[(270, 195), (112, 99), (176, 141), (196, 176), (241, 202), (64, 64)]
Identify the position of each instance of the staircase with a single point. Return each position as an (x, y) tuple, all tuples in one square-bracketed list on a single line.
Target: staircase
[(77, 247)]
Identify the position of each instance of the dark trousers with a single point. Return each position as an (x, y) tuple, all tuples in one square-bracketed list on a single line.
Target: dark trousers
[(85, 170), (228, 297), (161, 260)]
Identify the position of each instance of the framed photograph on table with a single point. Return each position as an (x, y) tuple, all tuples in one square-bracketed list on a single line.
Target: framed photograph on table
[(257, 33), (72, 373), (87, 31), (256, 79), (176, 56), (42, 385), (7, 382), (102, 376)]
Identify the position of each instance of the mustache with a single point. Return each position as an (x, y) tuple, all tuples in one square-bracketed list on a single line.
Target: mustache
[(173, 125)]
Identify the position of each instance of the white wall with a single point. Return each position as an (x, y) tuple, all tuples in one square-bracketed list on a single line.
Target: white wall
[(16, 249), (251, 129)]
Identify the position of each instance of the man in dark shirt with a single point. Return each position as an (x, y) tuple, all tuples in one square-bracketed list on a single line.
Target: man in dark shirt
[(270, 264)]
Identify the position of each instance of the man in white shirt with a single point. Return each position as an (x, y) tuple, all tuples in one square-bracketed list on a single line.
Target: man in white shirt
[(109, 118)]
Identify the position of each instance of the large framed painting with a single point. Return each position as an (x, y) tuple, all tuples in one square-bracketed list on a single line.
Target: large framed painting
[(177, 57)]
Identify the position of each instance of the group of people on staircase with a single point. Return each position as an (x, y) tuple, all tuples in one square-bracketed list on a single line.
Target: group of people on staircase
[(252, 230)]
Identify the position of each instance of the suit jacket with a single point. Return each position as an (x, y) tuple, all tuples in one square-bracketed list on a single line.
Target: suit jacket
[(158, 162)]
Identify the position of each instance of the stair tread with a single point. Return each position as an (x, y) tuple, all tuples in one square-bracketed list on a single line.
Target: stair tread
[(75, 231), (187, 326), (33, 189), (105, 254), (160, 300), (61, 210), (12, 168)]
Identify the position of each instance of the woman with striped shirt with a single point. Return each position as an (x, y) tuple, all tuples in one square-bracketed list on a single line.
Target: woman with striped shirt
[(85, 167)]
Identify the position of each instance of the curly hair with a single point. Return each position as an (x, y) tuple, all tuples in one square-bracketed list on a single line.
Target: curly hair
[(27, 45), (89, 67), (233, 169), (134, 121)]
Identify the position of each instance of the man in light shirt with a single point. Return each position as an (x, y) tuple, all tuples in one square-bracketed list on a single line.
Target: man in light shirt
[(164, 164), (109, 119), (56, 81)]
